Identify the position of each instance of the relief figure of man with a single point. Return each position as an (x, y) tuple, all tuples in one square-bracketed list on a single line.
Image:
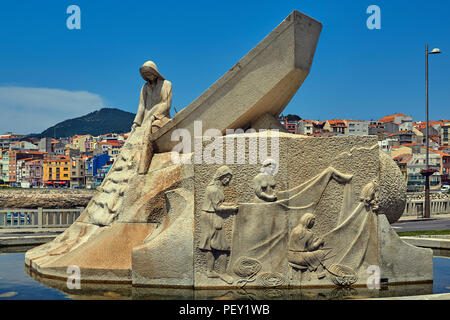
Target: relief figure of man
[(213, 240)]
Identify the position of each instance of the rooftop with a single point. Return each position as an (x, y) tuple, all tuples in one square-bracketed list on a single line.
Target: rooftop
[(392, 117)]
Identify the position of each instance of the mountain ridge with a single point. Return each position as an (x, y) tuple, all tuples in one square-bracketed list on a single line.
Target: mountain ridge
[(102, 121)]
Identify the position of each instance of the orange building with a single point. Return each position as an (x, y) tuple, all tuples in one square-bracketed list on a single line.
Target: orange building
[(57, 171)]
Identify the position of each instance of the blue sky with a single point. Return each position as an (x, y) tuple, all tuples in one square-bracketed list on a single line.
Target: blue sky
[(49, 73)]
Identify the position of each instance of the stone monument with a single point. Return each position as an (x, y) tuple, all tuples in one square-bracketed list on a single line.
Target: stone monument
[(311, 212)]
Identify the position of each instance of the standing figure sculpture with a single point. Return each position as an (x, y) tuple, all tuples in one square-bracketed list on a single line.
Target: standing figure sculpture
[(264, 182), (154, 109), (214, 210)]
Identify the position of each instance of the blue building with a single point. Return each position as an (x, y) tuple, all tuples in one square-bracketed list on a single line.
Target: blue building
[(95, 171)]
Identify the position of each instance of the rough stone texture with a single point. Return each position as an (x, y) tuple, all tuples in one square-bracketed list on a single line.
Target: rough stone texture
[(107, 258), (399, 260), (300, 159), (45, 198), (107, 255), (392, 183), (268, 121), (167, 254)]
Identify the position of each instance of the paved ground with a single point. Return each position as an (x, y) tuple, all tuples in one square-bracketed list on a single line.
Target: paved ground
[(29, 232), (411, 223), (442, 296)]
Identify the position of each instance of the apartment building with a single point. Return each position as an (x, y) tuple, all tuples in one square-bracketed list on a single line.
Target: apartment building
[(417, 163), (290, 123), (13, 156), (78, 172), (445, 131), (336, 126), (404, 122), (357, 127), (7, 139), (57, 171)]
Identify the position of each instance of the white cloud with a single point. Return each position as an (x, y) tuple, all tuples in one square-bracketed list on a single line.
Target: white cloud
[(32, 110)]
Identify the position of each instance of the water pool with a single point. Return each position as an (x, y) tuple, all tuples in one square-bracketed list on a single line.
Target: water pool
[(16, 283)]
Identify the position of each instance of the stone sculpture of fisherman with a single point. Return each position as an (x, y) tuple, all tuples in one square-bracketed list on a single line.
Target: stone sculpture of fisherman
[(154, 109), (212, 235)]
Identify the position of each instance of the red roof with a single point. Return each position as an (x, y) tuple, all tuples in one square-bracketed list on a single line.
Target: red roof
[(28, 152), (336, 122), (398, 132), (403, 158), (32, 161), (438, 152), (391, 117), (410, 144)]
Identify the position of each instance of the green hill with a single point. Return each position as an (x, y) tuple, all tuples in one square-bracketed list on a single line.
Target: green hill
[(106, 120)]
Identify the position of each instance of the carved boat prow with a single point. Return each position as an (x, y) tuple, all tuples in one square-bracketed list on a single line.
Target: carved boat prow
[(262, 82)]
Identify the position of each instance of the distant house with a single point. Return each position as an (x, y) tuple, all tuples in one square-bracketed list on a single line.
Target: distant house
[(380, 128), (444, 165), (57, 171), (4, 166), (403, 121), (434, 127), (417, 163), (78, 172), (82, 142), (357, 127), (29, 172), (23, 145), (387, 144), (405, 137), (445, 131), (59, 149), (45, 145), (13, 156), (336, 126), (71, 150), (402, 161), (306, 127), (34, 172), (7, 139), (93, 165), (399, 150), (291, 123)]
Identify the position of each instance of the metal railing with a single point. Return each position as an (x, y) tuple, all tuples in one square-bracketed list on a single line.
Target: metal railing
[(416, 207), (38, 218)]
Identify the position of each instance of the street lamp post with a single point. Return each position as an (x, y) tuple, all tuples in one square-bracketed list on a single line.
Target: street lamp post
[(427, 172)]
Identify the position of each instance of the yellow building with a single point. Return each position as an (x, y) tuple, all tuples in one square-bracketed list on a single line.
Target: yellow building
[(57, 171), (92, 144)]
